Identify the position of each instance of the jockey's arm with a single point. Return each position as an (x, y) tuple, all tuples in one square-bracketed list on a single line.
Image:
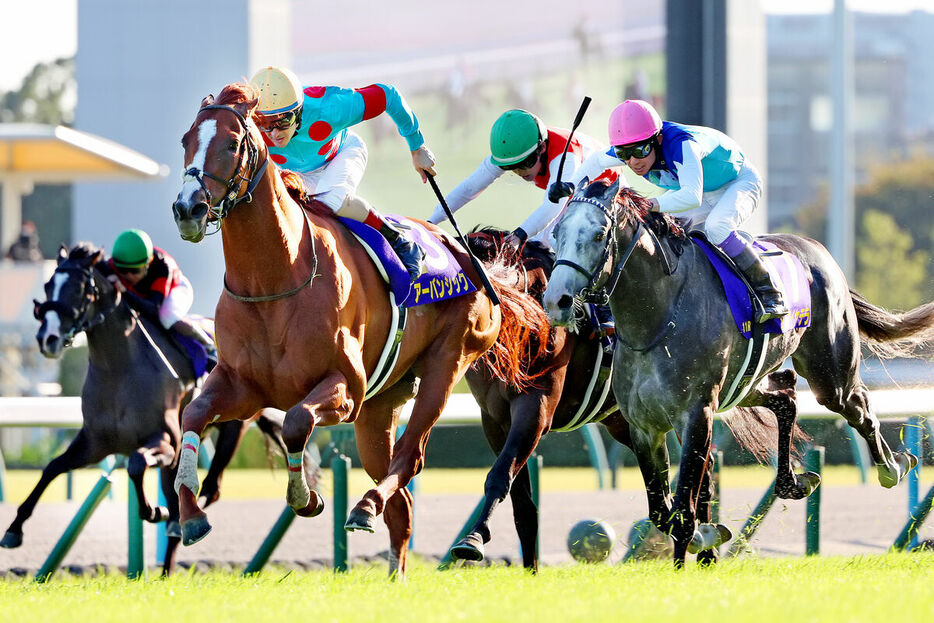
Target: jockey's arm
[(145, 306), (468, 190), (690, 178), (594, 165)]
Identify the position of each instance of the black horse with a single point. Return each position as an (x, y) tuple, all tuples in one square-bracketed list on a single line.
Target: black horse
[(570, 389), (137, 382), (680, 349)]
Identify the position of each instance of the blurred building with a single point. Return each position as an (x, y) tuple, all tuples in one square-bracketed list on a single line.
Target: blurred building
[(893, 111)]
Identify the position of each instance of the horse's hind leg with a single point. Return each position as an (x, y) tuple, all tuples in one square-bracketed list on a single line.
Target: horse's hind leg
[(229, 436), (709, 556), (525, 516), (80, 452), (838, 388), (159, 452), (173, 530)]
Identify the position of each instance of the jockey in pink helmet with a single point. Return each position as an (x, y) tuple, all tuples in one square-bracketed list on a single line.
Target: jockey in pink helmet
[(706, 177)]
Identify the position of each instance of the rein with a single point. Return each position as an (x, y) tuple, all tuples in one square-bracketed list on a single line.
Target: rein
[(232, 197)]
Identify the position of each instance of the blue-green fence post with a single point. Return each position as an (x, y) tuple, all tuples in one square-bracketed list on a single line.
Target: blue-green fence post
[(814, 461), (261, 557), (914, 444), (717, 457), (340, 466), (752, 523), (596, 450), (80, 519), (135, 565), (535, 464), (162, 539)]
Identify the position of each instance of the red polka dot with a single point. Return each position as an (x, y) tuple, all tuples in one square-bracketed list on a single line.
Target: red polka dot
[(315, 91), (266, 140), (326, 147), (277, 158), (319, 130)]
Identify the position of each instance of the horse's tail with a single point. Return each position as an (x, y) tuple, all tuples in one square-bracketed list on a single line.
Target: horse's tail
[(524, 334), (889, 334), (756, 430)]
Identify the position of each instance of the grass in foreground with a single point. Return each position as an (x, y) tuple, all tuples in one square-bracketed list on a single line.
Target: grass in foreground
[(865, 588)]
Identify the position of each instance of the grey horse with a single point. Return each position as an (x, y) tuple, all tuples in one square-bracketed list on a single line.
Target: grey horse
[(137, 382), (679, 349)]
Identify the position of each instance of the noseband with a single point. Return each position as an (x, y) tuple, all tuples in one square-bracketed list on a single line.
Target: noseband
[(79, 316), (594, 292), (248, 151)]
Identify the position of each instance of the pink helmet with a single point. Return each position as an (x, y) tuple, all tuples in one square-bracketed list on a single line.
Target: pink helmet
[(633, 121)]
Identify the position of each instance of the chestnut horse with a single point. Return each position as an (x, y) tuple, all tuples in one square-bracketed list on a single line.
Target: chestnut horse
[(303, 320)]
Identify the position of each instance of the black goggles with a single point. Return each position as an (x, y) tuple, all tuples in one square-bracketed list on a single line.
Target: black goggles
[(639, 150), (527, 163), (280, 122)]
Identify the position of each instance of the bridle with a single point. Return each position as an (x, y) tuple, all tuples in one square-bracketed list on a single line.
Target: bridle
[(601, 282), (81, 317), (247, 172)]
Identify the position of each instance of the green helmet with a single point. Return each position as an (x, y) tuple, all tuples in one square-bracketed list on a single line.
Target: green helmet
[(132, 249), (515, 135)]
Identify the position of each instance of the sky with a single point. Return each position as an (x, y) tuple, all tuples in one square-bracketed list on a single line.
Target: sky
[(36, 31)]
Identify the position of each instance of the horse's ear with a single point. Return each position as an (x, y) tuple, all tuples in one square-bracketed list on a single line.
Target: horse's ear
[(208, 100), (612, 190), (246, 108), (62, 253), (97, 257)]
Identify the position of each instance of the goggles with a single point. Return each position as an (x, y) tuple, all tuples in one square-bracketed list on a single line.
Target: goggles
[(129, 270), (527, 163), (639, 150), (280, 122)]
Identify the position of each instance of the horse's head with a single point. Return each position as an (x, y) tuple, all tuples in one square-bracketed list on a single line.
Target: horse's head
[(225, 158), (74, 299), (584, 237)]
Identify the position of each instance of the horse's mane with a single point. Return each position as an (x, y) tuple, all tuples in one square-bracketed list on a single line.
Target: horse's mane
[(633, 206), (487, 244), (240, 92), (83, 251)]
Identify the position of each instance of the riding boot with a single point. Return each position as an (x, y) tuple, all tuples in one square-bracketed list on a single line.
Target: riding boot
[(753, 268), (411, 254)]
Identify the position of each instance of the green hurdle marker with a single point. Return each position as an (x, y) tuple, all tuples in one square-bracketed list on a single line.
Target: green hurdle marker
[(340, 466), (261, 557), (136, 566), (814, 462), (752, 523), (54, 561)]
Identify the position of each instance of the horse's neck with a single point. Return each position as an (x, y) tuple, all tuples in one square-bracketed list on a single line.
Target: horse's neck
[(645, 293), (262, 238), (110, 342)]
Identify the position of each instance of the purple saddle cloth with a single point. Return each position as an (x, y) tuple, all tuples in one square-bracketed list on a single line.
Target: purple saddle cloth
[(788, 275), (200, 360), (443, 278)]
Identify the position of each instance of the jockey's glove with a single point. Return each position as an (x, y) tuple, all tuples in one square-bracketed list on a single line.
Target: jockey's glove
[(559, 190), (424, 162)]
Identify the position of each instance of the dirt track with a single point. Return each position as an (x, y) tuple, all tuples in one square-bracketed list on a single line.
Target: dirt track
[(855, 520)]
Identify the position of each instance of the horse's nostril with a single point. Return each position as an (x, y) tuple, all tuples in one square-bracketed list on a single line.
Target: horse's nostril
[(199, 210), (565, 302), (177, 208)]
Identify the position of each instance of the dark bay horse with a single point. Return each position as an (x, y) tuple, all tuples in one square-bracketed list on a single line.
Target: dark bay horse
[(137, 382), (679, 347), (515, 419), (304, 318)]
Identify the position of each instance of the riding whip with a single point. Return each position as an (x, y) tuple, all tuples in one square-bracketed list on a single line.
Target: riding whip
[(577, 121), (460, 238)]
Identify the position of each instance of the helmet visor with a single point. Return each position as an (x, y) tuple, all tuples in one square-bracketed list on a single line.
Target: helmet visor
[(526, 163)]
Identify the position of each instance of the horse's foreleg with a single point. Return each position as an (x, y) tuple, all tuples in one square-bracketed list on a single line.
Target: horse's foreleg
[(651, 450), (80, 452), (695, 452), (529, 413), (229, 436), (705, 501), (221, 400), (525, 516), (173, 530), (158, 452), (329, 403)]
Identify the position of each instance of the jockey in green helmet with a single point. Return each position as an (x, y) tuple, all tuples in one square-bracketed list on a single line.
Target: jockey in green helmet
[(155, 286)]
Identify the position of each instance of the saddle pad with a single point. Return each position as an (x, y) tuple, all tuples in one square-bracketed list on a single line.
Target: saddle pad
[(195, 349), (443, 278), (788, 275)]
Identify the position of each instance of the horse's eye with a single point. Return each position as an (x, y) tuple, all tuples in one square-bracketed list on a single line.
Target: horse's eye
[(232, 145), (599, 237)]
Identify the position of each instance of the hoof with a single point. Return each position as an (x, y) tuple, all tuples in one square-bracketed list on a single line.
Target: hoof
[(314, 507), (158, 514), (804, 485), (195, 529), (709, 536), (904, 463), (360, 520), (173, 530), (468, 548), (11, 540)]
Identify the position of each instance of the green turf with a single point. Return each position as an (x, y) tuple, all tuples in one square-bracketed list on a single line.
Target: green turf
[(894, 587)]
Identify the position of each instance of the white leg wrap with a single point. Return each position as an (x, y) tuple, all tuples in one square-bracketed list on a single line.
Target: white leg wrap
[(298, 494), (707, 536), (188, 463)]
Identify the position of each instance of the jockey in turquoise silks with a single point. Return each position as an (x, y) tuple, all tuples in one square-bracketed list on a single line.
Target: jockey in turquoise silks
[(706, 176), (307, 131)]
